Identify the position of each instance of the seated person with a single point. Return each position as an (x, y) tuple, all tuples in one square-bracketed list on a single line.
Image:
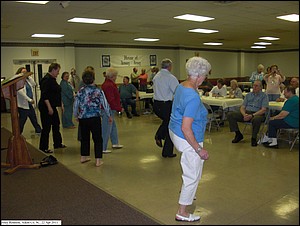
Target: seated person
[(206, 86), (220, 90), (252, 110), (235, 91), (258, 74), (295, 83), (287, 118), (126, 91)]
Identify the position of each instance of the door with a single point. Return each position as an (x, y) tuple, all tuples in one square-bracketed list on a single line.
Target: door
[(39, 69)]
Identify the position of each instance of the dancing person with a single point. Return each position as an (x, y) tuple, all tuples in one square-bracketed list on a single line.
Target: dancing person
[(187, 127), (88, 105), (164, 85), (25, 101), (48, 103)]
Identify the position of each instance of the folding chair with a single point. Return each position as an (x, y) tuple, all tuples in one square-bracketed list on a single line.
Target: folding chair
[(264, 124), (212, 117), (293, 136)]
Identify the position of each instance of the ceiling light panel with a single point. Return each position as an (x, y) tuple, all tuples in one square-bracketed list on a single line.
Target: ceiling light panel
[(34, 2), (213, 43), (290, 17), (191, 17), (146, 39), (258, 47), (88, 20), (46, 36), (263, 43), (269, 38), (202, 30)]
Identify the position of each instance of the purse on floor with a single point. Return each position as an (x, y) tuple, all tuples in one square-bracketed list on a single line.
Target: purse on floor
[(48, 160)]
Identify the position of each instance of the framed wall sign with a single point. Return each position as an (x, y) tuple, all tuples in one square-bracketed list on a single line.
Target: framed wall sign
[(152, 60), (105, 60)]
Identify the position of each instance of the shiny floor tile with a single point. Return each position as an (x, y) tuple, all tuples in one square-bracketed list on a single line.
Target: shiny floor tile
[(241, 185)]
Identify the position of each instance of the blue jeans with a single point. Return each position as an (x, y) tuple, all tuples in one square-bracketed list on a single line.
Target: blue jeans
[(109, 130)]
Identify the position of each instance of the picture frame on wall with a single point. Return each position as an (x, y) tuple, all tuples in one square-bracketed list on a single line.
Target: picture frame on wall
[(105, 60), (152, 60)]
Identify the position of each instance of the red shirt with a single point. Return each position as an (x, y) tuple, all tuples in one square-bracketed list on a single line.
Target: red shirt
[(112, 94)]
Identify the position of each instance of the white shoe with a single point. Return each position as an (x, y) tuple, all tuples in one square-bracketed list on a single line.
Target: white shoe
[(117, 146), (264, 139), (191, 218), (106, 151)]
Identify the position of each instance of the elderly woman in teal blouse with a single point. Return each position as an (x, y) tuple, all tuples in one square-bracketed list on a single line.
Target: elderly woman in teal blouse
[(67, 96), (287, 118)]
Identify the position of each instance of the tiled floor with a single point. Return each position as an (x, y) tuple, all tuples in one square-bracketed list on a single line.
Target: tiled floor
[(240, 184)]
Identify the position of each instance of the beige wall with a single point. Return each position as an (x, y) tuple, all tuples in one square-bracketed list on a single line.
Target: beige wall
[(224, 63)]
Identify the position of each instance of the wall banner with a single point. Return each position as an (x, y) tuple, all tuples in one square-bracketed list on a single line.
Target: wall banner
[(129, 61)]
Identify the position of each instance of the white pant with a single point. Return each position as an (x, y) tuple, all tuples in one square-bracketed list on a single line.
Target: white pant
[(191, 165)]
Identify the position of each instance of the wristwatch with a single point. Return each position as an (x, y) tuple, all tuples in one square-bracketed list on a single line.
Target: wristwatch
[(199, 149)]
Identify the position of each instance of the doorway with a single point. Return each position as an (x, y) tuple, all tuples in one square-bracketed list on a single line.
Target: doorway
[(39, 68)]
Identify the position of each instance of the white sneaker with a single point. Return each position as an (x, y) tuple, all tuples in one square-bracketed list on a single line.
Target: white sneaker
[(117, 146), (106, 151), (264, 139)]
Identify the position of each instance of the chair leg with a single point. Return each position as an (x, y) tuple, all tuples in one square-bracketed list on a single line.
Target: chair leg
[(293, 143)]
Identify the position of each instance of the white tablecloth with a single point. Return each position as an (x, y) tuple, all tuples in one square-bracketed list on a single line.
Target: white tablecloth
[(222, 101), (276, 105), (144, 95)]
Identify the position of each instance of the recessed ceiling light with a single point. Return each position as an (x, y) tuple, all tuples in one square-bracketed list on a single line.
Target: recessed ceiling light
[(194, 18), (202, 30), (213, 43), (262, 43), (269, 38), (46, 36), (34, 2), (88, 20), (146, 39), (258, 47), (290, 17)]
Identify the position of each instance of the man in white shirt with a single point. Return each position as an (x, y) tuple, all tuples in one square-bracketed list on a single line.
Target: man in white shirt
[(164, 85), (220, 90)]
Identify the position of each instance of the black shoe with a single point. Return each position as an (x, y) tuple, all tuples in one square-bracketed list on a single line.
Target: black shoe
[(238, 138), (253, 142), (137, 115), (172, 156), (158, 142), (61, 146), (128, 115), (169, 156), (221, 124)]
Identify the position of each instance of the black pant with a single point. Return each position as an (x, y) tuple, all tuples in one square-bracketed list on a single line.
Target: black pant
[(88, 126), (49, 121), (163, 110)]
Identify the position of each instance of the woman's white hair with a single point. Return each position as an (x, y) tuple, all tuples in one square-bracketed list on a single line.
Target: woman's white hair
[(111, 72), (197, 66)]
